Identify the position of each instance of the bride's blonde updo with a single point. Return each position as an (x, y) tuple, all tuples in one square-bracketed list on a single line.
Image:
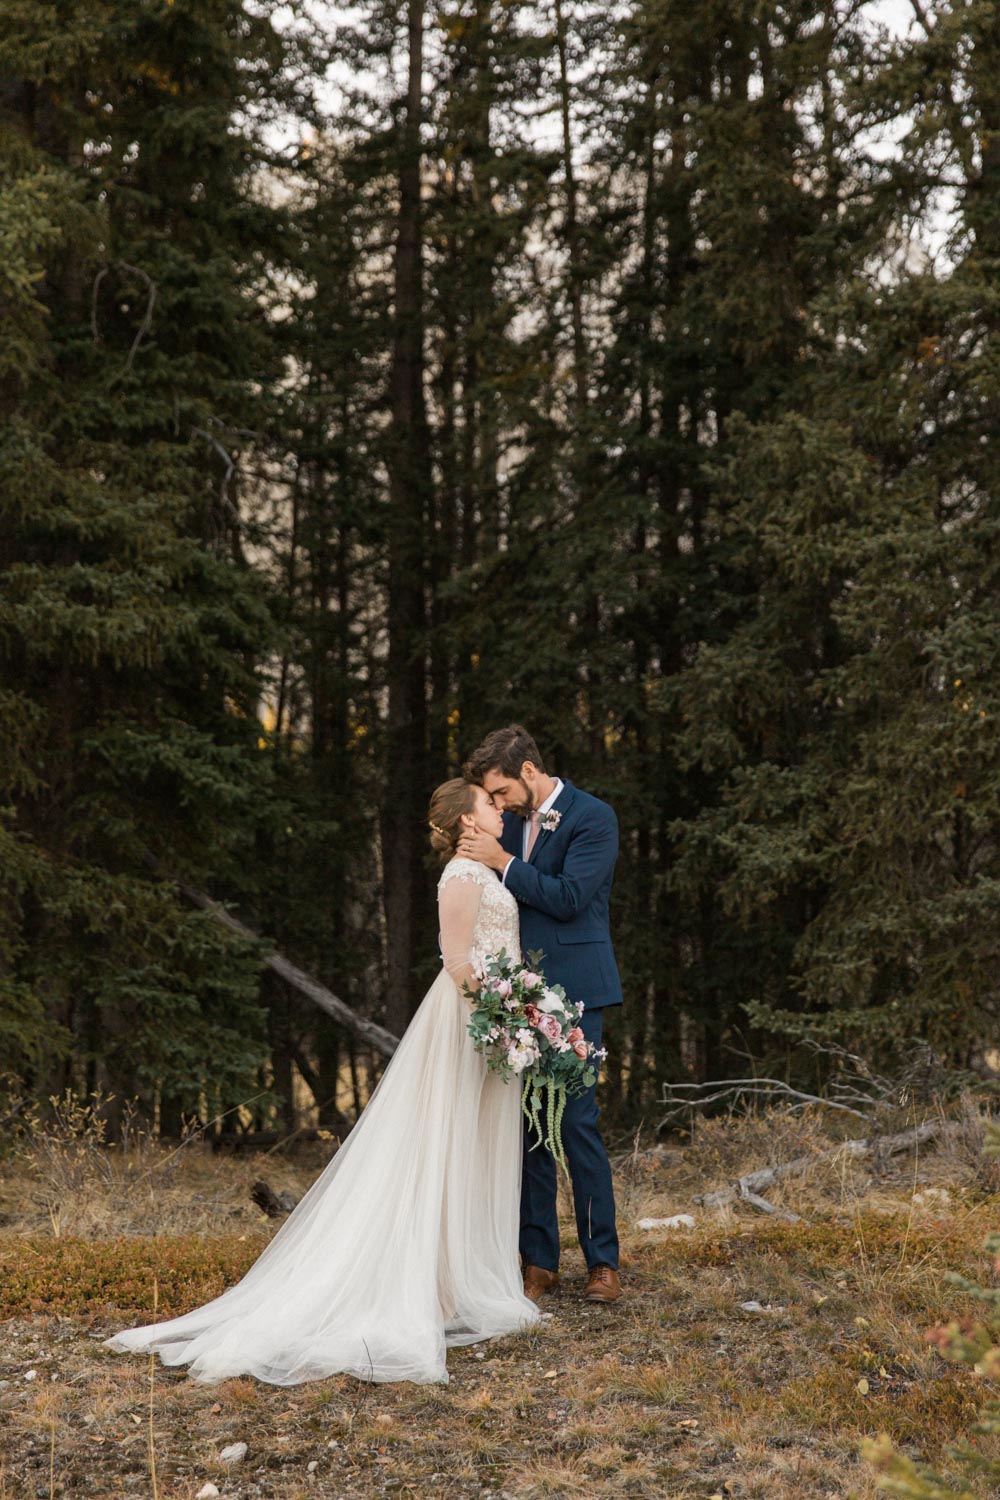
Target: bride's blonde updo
[(449, 802)]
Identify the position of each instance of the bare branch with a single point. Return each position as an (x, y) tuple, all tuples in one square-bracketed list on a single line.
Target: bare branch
[(746, 1188), (369, 1031), (93, 303), (738, 1087), (230, 463), (767, 1207), (376, 1036), (147, 320)]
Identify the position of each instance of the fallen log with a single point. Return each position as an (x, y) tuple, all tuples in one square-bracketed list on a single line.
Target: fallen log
[(275, 1205), (254, 1141), (369, 1031), (747, 1189), (765, 1206)]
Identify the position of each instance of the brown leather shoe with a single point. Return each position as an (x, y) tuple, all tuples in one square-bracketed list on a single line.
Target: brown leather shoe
[(603, 1285), (537, 1280)]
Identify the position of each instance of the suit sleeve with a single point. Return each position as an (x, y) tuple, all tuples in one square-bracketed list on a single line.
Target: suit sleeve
[(589, 860)]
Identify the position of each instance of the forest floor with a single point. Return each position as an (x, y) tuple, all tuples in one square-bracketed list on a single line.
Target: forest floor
[(748, 1357)]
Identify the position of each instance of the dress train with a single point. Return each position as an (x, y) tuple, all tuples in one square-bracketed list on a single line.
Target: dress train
[(404, 1246)]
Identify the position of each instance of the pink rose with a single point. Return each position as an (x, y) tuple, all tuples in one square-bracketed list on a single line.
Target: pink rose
[(549, 1027), (531, 981), (580, 1048), (532, 1013), (574, 1036), (504, 988)]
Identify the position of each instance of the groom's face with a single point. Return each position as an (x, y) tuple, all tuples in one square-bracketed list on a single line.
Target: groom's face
[(509, 793)]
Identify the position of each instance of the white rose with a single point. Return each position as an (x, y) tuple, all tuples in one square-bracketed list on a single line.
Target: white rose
[(550, 1002)]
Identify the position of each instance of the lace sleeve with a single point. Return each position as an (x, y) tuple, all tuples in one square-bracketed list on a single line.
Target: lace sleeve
[(458, 908)]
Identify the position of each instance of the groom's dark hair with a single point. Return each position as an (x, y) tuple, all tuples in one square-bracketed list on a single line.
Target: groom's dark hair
[(504, 750)]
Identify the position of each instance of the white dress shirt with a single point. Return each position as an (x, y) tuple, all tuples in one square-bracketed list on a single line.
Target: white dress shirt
[(550, 799)]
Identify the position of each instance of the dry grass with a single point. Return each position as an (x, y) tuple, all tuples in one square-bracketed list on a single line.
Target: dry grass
[(62, 1181), (675, 1392)]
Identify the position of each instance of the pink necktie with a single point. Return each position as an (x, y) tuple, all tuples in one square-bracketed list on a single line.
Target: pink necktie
[(532, 833)]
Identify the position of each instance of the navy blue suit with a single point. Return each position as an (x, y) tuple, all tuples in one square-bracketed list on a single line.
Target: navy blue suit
[(562, 892)]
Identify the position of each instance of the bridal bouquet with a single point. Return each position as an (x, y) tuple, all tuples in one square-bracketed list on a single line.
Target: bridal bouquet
[(523, 1025)]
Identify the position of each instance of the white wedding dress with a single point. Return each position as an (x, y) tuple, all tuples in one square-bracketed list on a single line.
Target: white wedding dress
[(406, 1243)]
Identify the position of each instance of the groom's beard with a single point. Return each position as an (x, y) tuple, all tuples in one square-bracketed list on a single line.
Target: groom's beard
[(525, 807)]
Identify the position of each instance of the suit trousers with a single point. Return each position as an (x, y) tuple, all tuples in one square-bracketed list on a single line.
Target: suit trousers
[(590, 1173)]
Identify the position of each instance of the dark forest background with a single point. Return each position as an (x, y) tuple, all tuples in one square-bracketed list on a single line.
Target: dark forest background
[(371, 378)]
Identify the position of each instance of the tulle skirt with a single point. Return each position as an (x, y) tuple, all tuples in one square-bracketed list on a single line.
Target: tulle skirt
[(406, 1243)]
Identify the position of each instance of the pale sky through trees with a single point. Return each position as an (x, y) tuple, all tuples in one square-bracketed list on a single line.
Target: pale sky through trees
[(898, 16)]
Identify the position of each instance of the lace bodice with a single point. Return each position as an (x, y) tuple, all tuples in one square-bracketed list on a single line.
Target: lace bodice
[(478, 915)]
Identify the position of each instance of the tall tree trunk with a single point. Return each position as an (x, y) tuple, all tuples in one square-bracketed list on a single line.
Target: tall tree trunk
[(409, 491), (575, 277)]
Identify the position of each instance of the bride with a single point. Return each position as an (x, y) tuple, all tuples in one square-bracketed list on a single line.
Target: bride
[(406, 1244)]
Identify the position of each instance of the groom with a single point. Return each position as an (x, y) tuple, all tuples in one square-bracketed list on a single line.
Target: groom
[(557, 856)]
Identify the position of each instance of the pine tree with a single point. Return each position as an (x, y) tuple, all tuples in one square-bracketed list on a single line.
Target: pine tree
[(319, 885), (717, 211), (849, 710), (130, 622)]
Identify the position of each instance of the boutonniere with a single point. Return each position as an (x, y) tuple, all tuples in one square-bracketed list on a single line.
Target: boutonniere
[(549, 821)]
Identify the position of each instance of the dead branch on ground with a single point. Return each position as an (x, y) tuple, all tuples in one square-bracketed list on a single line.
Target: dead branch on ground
[(748, 1188)]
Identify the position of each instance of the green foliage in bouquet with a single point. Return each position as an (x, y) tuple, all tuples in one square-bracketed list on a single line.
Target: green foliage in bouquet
[(522, 1024)]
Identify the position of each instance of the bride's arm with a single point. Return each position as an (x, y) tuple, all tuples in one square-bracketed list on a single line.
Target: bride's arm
[(458, 907)]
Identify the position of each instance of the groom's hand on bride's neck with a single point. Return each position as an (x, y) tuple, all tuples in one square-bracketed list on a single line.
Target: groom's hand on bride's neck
[(475, 844)]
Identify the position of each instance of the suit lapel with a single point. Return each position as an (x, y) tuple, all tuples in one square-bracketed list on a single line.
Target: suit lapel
[(565, 798), (512, 838), (562, 805)]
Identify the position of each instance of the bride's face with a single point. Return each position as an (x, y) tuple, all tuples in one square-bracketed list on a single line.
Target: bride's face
[(488, 817)]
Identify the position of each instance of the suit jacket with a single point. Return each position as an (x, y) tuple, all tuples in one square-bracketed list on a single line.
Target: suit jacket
[(562, 893)]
